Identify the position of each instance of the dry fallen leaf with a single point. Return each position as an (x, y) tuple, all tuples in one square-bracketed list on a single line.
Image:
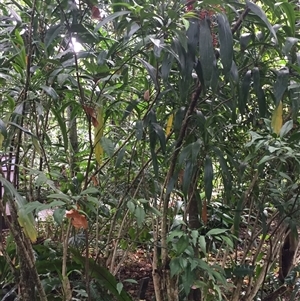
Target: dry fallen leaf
[(147, 95), (78, 220), (96, 15), (92, 114)]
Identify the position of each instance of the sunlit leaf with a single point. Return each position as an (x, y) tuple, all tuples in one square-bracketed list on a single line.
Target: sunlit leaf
[(111, 17), (169, 124), (277, 119)]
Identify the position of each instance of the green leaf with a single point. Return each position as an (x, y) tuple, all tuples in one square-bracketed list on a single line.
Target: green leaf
[(226, 42), (140, 215), (3, 130), (206, 50), (50, 91), (192, 36), (234, 72), (187, 176), (181, 245), (120, 157), (59, 215), (131, 206), (52, 33), (119, 287), (261, 14), (202, 243), (60, 196), (62, 125), (213, 232), (38, 206), (290, 14), (166, 66), (161, 135), (175, 266), (151, 71), (281, 84), (111, 18), (262, 105), (102, 275), (108, 146), (289, 43), (208, 177), (286, 128)]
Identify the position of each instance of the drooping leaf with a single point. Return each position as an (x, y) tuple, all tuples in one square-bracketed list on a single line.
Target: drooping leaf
[(262, 105), (206, 50), (108, 146), (50, 91), (289, 43), (160, 134), (52, 33), (166, 66), (261, 14), (281, 84), (105, 278), (26, 221), (289, 10), (226, 42), (3, 130), (62, 125), (286, 128), (169, 125), (140, 215), (111, 18), (151, 71), (277, 119)]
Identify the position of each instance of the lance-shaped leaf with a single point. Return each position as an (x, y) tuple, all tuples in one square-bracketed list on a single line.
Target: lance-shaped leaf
[(290, 15), (169, 124), (102, 275), (261, 14), (276, 123), (26, 220), (152, 72), (52, 33), (281, 84), (208, 177), (226, 42), (111, 18), (206, 50), (259, 92), (286, 128)]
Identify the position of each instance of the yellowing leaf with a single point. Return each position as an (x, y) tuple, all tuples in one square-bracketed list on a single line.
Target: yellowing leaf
[(277, 119), (27, 223), (169, 124), (1, 140), (99, 135)]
